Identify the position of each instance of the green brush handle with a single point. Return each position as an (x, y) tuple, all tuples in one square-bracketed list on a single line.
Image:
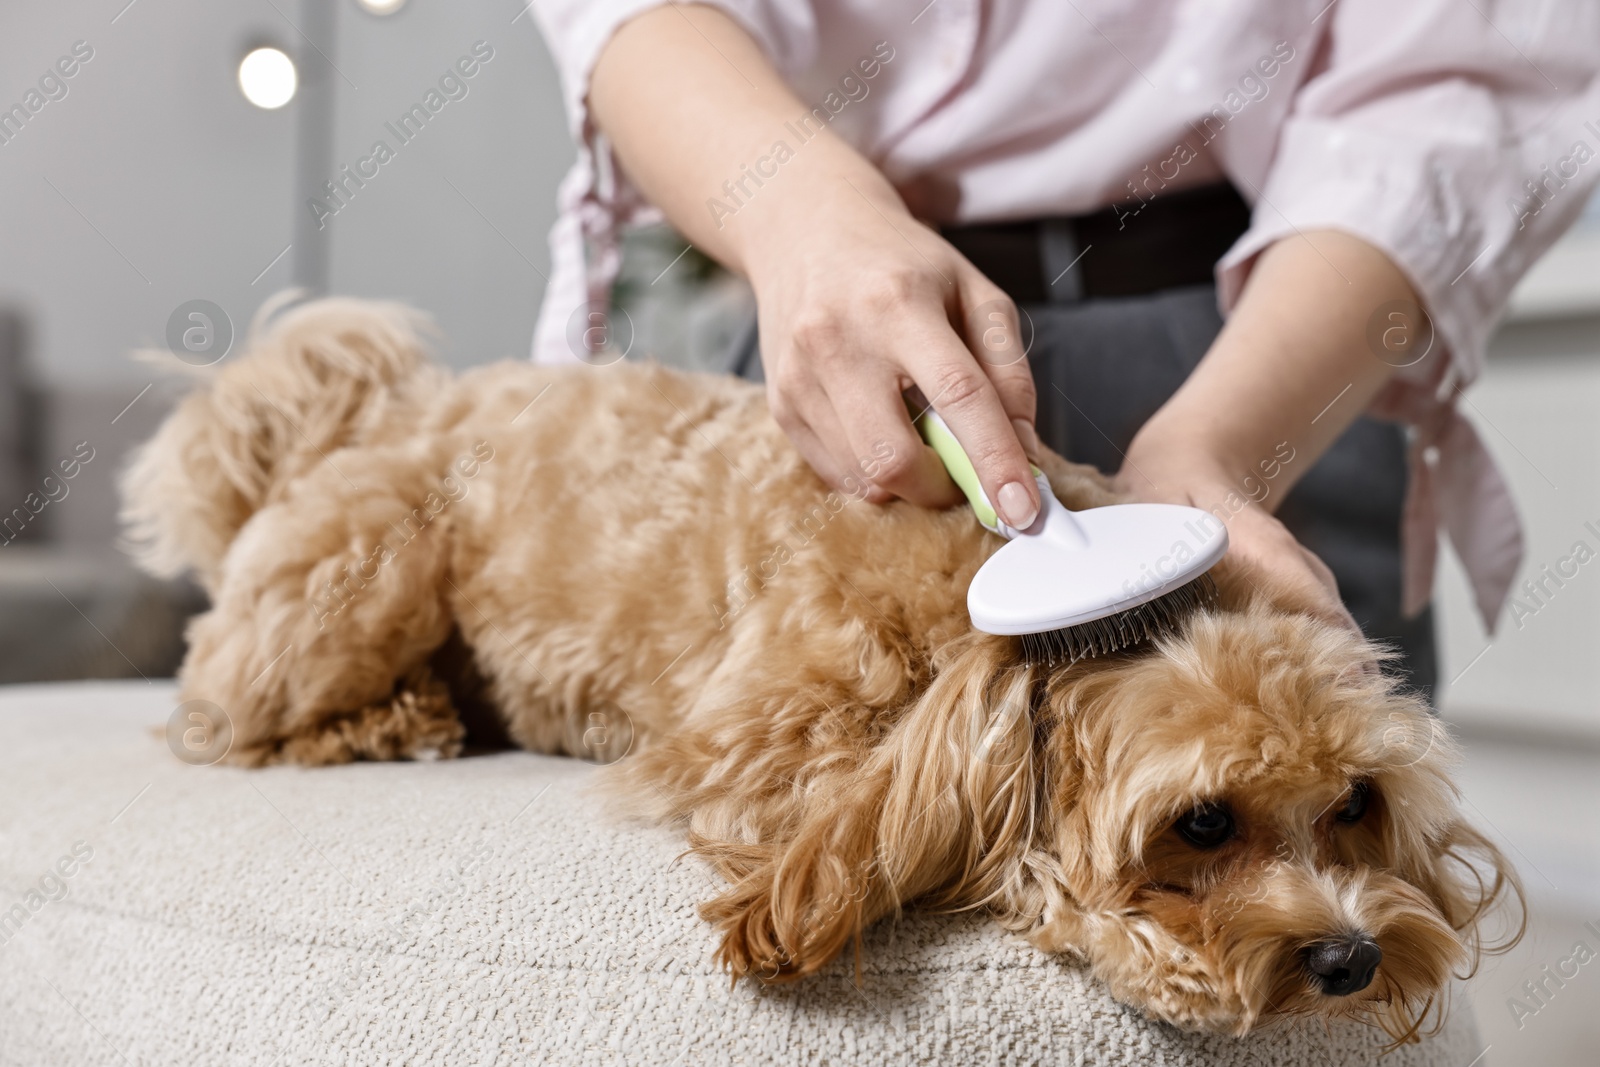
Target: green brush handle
[(934, 431), (937, 433)]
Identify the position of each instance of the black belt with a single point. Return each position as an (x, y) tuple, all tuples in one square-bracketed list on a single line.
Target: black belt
[(1127, 250)]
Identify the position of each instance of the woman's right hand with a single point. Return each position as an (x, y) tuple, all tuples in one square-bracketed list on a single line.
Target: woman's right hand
[(858, 302)]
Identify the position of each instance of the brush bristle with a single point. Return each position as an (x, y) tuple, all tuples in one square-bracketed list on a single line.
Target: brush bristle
[(1164, 615)]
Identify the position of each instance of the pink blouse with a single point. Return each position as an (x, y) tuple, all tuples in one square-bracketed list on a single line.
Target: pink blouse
[(1458, 136)]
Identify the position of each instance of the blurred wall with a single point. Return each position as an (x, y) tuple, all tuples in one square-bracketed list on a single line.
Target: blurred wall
[(1535, 409), (153, 181)]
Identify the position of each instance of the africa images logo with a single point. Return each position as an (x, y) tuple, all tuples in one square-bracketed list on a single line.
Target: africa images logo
[(52, 86)]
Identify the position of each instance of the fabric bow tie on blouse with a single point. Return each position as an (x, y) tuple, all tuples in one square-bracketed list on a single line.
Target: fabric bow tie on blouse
[(1455, 488)]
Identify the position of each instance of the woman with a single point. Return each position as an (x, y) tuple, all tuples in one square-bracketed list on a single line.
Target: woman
[(896, 181)]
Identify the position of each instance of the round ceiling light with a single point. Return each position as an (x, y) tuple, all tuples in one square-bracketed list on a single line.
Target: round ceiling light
[(381, 7), (267, 78)]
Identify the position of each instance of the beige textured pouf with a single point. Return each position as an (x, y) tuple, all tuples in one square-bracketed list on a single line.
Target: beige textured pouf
[(479, 911)]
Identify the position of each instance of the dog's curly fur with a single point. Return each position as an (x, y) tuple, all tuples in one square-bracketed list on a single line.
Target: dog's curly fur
[(634, 562)]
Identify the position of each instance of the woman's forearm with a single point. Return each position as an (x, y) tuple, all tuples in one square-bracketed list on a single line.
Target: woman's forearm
[(1293, 368), (689, 104)]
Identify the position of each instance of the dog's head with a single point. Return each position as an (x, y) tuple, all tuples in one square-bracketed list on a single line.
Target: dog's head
[(1252, 820), (1246, 819)]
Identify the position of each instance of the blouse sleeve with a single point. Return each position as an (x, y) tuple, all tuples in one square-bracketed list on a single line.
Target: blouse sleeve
[(578, 30), (1459, 138), (595, 198)]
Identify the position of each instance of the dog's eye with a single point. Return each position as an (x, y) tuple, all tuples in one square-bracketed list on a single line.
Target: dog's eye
[(1206, 826), (1355, 804)]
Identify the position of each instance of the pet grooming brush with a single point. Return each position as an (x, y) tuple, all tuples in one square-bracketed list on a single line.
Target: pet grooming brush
[(1085, 583)]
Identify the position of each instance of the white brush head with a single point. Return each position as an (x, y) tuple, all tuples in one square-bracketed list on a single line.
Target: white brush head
[(1071, 568)]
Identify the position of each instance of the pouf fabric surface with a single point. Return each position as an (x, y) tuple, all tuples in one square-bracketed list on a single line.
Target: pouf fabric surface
[(486, 910)]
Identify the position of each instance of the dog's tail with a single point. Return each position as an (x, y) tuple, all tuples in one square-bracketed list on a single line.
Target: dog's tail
[(311, 381)]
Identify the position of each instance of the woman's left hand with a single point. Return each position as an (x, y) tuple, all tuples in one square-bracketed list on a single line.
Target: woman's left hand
[(1261, 550), (1291, 369)]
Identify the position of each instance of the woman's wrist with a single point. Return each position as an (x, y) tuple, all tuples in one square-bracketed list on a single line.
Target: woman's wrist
[(1169, 459), (1209, 476), (772, 233)]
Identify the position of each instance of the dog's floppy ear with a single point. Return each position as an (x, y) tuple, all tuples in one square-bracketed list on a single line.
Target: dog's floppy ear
[(1424, 839), (942, 811), (1470, 881)]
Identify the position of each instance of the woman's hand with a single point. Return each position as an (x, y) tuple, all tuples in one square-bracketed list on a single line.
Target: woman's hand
[(858, 304), (1262, 553), (858, 301)]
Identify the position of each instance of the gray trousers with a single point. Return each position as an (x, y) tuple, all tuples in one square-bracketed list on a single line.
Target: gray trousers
[(1103, 367)]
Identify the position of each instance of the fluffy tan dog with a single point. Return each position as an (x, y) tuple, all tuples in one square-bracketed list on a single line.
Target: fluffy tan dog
[(1246, 820)]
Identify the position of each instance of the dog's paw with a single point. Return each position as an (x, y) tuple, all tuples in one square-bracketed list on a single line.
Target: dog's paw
[(415, 722)]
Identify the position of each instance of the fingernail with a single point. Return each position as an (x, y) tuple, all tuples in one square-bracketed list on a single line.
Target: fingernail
[(1017, 506), (1027, 435)]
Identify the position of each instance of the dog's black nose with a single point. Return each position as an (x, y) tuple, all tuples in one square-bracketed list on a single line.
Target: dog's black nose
[(1344, 965)]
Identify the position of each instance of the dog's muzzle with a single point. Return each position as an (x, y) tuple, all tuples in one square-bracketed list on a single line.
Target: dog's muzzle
[(1345, 964)]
